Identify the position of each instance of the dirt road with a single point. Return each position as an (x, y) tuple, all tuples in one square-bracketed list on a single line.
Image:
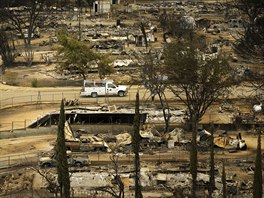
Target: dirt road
[(26, 150)]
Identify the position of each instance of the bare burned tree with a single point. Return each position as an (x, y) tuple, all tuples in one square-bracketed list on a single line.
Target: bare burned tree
[(117, 181), (250, 43), (255, 83), (24, 20), (51, 179), (155, 81), (176, 25), (198, 81)]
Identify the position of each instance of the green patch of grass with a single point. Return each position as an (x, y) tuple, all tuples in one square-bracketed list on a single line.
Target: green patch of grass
[(34, 83)]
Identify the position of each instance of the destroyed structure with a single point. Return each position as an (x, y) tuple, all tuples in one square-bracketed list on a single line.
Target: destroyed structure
[(165, 175)]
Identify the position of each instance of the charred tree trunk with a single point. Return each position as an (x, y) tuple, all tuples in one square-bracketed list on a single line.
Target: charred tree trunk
[(212, 163), (29, 55), (5, 51), (224, 180), (193, 156), (165, 110), (136, 139), (257, 184)]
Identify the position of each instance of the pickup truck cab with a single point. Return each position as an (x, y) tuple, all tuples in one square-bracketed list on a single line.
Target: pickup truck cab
[(102, 88)]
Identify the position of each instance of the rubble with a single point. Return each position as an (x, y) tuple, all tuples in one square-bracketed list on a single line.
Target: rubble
[(223, 140), (123, 139), (89, 180), (156, 116), (16, 182), (176, 135), (149, 115), (119, 38)]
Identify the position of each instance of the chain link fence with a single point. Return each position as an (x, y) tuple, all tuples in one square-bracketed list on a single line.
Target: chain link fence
[(11, 161), (44, 193), (43, 97)]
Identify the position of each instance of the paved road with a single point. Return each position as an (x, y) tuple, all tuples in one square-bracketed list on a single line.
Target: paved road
[(12, 96)]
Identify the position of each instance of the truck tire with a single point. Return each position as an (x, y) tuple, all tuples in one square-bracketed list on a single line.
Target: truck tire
[(121, 93), (94, 95)]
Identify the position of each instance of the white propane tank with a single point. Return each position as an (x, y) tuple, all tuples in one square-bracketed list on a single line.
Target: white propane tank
[(257, 108)]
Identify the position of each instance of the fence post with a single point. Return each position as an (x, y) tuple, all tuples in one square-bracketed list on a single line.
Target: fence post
[(12, 129), (50, 120), (25, 124)]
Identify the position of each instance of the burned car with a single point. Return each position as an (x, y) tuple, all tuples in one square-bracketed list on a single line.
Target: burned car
[(76, 161)]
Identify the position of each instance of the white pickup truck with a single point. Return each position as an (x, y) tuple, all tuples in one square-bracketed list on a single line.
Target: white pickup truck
[(102, 88)]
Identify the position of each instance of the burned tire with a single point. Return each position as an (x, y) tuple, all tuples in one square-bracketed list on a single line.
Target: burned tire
[(121, 93), (94, 95)]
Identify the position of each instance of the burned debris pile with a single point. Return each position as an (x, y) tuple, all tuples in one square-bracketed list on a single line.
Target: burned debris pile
[(165, 165)]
